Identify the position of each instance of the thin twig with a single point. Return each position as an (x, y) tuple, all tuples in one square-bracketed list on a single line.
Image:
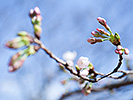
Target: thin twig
[(109, 87)]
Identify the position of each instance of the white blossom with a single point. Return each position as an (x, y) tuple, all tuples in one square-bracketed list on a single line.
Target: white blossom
[(83, 62), (84, 72), (69, 56)]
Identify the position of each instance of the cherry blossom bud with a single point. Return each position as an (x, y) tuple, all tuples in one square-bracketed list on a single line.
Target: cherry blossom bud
[(37, 31), (99, 40), (36, 20), (34, 12), (23, 33), (83, 62), (19, 42), (92, 40), (31, 13), (120, 52), (126, 51), (95, 34), (15, 43), (77, 68), (102, 32), (16, 62), (102, 21), (36, 47), (37, 11), (116, 51), (87, 89), (31, 50)]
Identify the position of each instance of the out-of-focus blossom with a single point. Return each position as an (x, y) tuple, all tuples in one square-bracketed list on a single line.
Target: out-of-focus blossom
[(37, 11), (64, 82), (83, 62), (18, 59), (36, 20), (34, 12), (19, 42), (16, 62), (23, 33), (37, 31), (24, 39), (87, 89), (69, 55)]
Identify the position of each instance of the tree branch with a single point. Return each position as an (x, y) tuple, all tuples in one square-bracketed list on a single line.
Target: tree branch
[(106, 87), (74, 72)]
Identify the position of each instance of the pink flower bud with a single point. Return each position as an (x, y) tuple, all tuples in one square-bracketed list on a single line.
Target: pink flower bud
[(31, 13), (92, 40), (126, 51), (102, 21), (120, 52), (16, 62), (95, 34), (83, 62), (102, 31), (37, 11), (116, 51)]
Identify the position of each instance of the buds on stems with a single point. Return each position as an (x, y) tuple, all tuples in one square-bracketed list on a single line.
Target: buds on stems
[(18, 59), (113, 38), (24, 39), (102, 21), (120, 50), (36, 19)]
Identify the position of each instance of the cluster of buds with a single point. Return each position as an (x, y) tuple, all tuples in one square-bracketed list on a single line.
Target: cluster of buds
[(84, 66), (87, 89), (103, 35), (36, 19), (24, 39), (18, 59), (113, 38), (120, 50)]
